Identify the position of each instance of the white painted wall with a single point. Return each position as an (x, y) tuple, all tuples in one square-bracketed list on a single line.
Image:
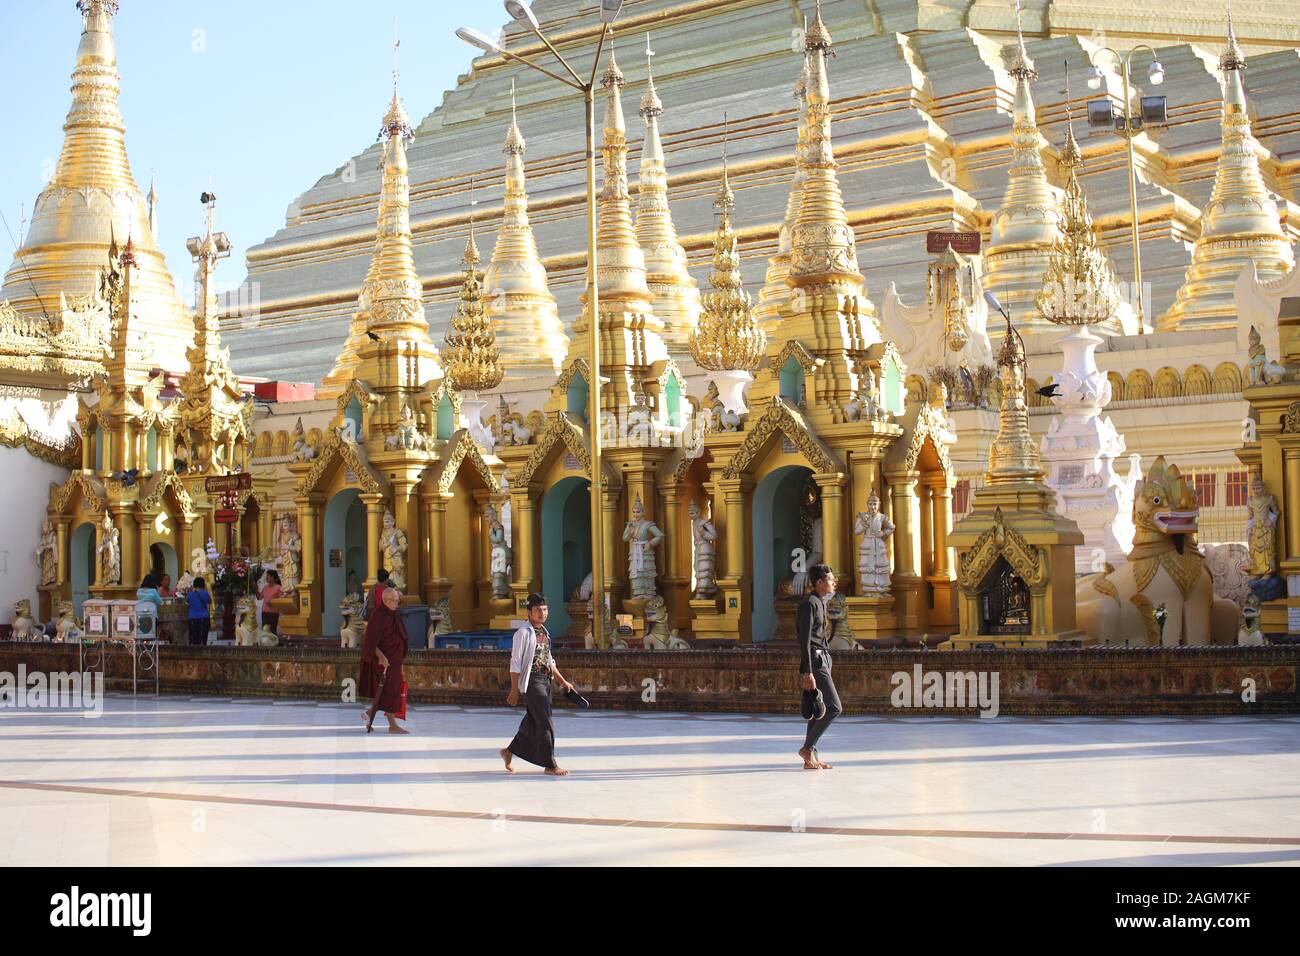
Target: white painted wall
[(26, 493)]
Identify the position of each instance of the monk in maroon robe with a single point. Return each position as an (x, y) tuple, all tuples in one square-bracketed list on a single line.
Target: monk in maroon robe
[(382, 652)]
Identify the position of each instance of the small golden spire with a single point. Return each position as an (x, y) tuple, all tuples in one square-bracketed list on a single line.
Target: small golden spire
[(1078, 285), (1013, 454), (817, 37), (1240, 226), (676, 296), (729, 336), (520, 306), (470, 353), (1232, 57)]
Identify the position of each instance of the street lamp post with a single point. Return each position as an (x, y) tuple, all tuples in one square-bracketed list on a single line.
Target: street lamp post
[(609, 11), (1101, 114)]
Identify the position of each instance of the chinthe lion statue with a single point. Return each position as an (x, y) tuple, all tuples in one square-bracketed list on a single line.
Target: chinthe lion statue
[(658, 636), (246, 624), (68, 629), (1164, 568), (837, 612), (24, 626), (351, 631)]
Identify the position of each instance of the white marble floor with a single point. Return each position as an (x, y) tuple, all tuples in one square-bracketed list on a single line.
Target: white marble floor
[(203, 781)]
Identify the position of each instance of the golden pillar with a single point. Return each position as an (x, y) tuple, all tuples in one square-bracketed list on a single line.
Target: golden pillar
[(1291, 497), (436, 505), (307, 508), (833, 525), (374, 526), (142, 545), (61, 564), (525, 536), (615, 562), (925, 555), (903, 498), (184, 535), (734, 495), (941, 500)]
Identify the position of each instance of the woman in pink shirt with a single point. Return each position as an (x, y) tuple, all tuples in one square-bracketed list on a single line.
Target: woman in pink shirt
[(272, 590)]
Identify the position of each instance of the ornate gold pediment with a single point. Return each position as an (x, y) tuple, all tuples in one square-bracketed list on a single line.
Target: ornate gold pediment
[(799, 352), (335, 453), (561, 434), (459, 449), (366, 397), (1001, 540), (781, 418), (91, 489), (162, 482), (930, 425)]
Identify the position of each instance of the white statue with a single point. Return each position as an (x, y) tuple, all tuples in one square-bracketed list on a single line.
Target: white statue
[(510, 427), (865, 405), (289, 552), (643, 536), (302, 449), (719, 417), (246, 624), (705, 536), (24, 626), (1262, 371), (873, 552), (47, 553), (392, 540), (110, 553), (408, 434), (500, 554)]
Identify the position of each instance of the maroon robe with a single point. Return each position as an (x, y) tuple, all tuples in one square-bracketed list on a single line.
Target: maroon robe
[(386, 632)]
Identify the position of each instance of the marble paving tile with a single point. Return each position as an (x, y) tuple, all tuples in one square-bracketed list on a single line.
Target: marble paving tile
[(216, 781)]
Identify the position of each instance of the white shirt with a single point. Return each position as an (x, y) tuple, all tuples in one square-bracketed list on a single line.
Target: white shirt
[(522, 650)]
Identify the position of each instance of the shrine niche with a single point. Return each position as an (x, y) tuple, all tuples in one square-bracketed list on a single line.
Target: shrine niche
[(1004, 601)]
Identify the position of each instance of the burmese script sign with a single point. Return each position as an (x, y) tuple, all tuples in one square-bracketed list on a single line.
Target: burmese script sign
[(967, 243), (225, 484)]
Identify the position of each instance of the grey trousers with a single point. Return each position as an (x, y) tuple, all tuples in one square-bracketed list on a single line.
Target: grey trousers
[(821, 670)]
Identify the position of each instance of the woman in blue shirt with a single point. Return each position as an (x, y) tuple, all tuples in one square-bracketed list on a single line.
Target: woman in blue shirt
[(199, 601), (148, 591)]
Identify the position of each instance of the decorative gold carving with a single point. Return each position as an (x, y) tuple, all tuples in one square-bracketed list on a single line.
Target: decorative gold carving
[(781, 418), (1106, 587), (92, 490), (161, 483), (561, 429), (1291, 419), (460, 449), (1150, 626), (470, 354), (16, 433), (1000, 540), (352, 456)]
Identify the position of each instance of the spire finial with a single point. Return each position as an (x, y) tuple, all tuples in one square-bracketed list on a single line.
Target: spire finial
[(726, 200), (1232, 58), (514, 138), (651, 105), (397, 42), (396, 120), (817, 37), (471, 256), (1022, 68)]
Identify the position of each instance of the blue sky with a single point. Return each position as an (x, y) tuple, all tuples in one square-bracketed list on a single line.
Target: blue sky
[(263, 98)]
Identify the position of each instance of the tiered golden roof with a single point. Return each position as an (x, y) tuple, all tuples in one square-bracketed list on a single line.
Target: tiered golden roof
[(392, 297), (676, 295), (50, 291), (470, 354), (1078, 286), (520, 306), (729, 337), (1240, 227)]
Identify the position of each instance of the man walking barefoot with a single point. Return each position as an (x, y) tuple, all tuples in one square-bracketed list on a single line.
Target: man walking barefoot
[(815, 660)]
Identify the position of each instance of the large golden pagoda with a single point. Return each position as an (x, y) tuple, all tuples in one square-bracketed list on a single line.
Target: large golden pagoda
[(52, 317), (1240, 228)]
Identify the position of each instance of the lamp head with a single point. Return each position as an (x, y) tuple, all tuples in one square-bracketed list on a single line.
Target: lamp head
[(1094, 78), (1157, 73), (993, 302), (481, 40), (609, 10), (520, 10)]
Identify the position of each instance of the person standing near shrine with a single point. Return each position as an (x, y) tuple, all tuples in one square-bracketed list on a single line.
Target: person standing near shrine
[(382, 653), (531, 668), (377, 593), (821, 703), (270, 591), (199, 614)]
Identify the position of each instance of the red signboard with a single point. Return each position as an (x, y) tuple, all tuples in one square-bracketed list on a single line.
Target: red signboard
[(967, 243), (223, 484), (226, 516)]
